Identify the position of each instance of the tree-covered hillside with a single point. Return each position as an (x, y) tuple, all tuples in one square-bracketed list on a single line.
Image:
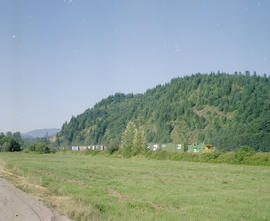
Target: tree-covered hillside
[(222, 109)]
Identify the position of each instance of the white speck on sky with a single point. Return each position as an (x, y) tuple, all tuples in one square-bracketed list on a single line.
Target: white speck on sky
[(68, 1)]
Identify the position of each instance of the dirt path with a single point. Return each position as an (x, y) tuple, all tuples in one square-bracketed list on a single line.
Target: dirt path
[(19, 206)]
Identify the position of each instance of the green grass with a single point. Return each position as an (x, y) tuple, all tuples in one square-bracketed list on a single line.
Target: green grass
[(238, 157), (110, 188)]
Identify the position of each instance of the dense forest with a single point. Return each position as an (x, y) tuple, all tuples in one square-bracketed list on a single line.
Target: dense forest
[(227, 110)]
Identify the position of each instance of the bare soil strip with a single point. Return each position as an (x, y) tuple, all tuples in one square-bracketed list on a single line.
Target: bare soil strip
[(19, 206)]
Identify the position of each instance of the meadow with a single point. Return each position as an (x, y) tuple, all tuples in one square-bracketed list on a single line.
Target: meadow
[(87, 187)]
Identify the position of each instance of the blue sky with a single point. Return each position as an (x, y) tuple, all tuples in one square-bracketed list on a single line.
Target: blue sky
[(60, 57)]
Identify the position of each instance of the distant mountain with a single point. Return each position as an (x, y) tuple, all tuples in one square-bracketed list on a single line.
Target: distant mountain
[(221, 109), (41, 133)]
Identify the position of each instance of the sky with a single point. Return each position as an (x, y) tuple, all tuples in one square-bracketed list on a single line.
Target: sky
[(60, 57)]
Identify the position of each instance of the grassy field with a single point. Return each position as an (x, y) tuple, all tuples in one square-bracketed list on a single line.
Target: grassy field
[(89, 187)]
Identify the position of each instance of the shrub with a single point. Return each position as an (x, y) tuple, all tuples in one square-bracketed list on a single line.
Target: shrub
[(32, 147), (42, 148), (244, 152), (113, 146), (211, 157), (246, 149)]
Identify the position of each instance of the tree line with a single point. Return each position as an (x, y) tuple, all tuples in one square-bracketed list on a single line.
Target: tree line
[(10, 142), (13, 142)]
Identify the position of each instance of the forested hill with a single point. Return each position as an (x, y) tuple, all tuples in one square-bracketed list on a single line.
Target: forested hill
[(221, 109)]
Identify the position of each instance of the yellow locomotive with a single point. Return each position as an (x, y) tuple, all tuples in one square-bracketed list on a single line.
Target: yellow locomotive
[(209, 148)]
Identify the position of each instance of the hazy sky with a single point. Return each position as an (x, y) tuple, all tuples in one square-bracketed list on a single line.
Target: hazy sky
[(60, 57)]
